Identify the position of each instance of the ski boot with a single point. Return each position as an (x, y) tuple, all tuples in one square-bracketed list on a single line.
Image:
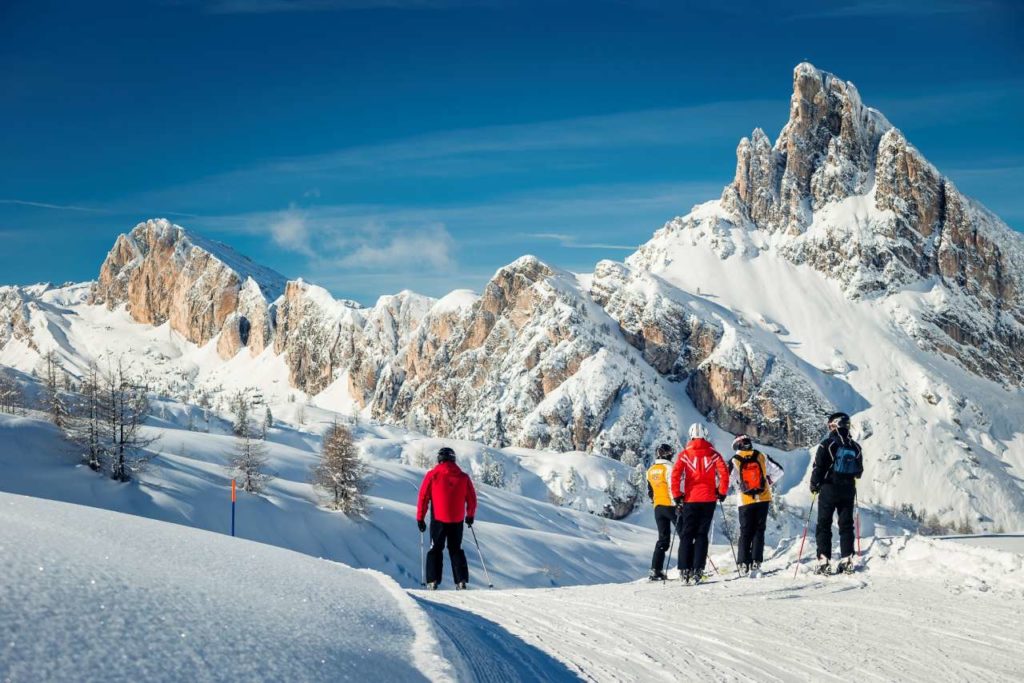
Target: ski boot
[(685, 576), (845, 565), (431, 585), (657, 575), (744, 568), (755, 570), (698, 577), (823, 567), (461, 586)]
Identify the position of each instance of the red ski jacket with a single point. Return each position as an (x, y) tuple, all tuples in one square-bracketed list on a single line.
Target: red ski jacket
[(700, 473), (449, 492)]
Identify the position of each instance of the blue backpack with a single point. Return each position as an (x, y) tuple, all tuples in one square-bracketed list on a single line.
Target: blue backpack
[(845, 461)]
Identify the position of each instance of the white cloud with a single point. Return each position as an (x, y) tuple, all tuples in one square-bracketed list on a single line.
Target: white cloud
[(290, 231), (431, 246)]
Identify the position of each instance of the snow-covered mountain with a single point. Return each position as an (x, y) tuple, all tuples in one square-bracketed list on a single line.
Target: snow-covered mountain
[(838, 270)]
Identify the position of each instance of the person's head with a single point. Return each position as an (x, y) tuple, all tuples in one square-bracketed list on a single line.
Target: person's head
[(445, 455), (698, 431), (665, 452), (839, 423), (742, 443)]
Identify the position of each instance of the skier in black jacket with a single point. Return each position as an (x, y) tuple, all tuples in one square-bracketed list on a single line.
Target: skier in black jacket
[(838, 464)]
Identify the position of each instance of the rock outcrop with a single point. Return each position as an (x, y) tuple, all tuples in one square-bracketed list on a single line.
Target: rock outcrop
[(14, 317), (162, 274)]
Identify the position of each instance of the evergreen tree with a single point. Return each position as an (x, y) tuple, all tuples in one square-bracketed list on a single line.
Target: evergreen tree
[(492, 472), (341, 476), (240, 407), (268, 421), (249, 464)]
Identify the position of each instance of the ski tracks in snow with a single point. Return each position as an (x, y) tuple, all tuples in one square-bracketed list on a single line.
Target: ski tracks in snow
[(774, 628)]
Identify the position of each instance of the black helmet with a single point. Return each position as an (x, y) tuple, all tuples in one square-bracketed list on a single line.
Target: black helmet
[(838, 422), (742, 443), (665, 451), (446, 455)]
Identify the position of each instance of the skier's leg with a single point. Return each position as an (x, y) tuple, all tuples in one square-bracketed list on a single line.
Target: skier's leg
[(760, 522), (823, 534), (663, 518), (457, 556), (700, 540), (846, 539), (744, 512), (435, 556), (687, 533)]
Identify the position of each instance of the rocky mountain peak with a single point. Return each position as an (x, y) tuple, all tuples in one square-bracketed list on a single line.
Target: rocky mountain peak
[(163, 273)]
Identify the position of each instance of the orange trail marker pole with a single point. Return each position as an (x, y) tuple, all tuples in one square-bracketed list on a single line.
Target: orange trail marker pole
[(233, 498)]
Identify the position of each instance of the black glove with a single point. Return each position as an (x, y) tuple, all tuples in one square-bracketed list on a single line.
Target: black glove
[(422, 525), (815, 488), (722, 497), (469, 521), (678, 501)]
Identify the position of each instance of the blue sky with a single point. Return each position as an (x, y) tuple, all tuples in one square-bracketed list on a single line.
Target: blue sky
[(376, 145)]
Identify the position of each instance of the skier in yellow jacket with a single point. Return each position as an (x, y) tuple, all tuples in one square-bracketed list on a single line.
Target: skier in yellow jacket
[(752, 474), (660, 493)]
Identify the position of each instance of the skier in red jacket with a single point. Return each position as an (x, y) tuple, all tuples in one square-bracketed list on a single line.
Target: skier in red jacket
[(452, 499), (700, 479)]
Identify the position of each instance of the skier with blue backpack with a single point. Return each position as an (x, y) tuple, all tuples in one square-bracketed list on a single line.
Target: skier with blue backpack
[(838, 464)]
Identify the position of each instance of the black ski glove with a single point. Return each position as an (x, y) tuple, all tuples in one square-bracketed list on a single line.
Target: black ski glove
[(678, 501), (469, 521), (722, 497), (815, 488), (422, 525)]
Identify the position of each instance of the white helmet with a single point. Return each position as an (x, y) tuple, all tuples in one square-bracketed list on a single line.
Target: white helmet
[(698, 431)]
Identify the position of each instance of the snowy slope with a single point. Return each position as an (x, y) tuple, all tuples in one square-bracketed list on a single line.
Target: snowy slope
[(924, 610), (936, 436), (91, 595), (527, 541)]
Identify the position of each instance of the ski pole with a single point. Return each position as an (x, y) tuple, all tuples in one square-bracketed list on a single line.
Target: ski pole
[(807, 523), (422, 561), (481, 554), (856, 507), (728, 536)]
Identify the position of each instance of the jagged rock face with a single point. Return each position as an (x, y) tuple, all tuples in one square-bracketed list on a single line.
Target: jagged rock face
[(321, 338), (14, 317), (249, 326), (163, 274), (911, 225), (735, 382), (824, 153), (534, 363)]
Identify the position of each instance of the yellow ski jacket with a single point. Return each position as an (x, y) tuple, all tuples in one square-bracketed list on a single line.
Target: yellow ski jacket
[(658, 482)]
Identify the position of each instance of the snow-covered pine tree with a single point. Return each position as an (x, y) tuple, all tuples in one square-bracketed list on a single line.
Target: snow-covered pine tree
[(51, 373), (492, 472), (268, 421), (248, 464), (341, 476), (124, 406), (240, 407)]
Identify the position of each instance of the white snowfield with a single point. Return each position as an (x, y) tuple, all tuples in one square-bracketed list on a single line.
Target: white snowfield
[(94, 595), (929, 611)]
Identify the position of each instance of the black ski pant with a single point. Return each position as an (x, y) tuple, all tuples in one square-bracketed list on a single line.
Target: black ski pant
[(442, 534), (834, 500), (693, 535), (753, 519), (664, 517)]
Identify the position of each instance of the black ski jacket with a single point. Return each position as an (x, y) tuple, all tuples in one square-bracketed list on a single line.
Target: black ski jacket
[(824, 457)]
